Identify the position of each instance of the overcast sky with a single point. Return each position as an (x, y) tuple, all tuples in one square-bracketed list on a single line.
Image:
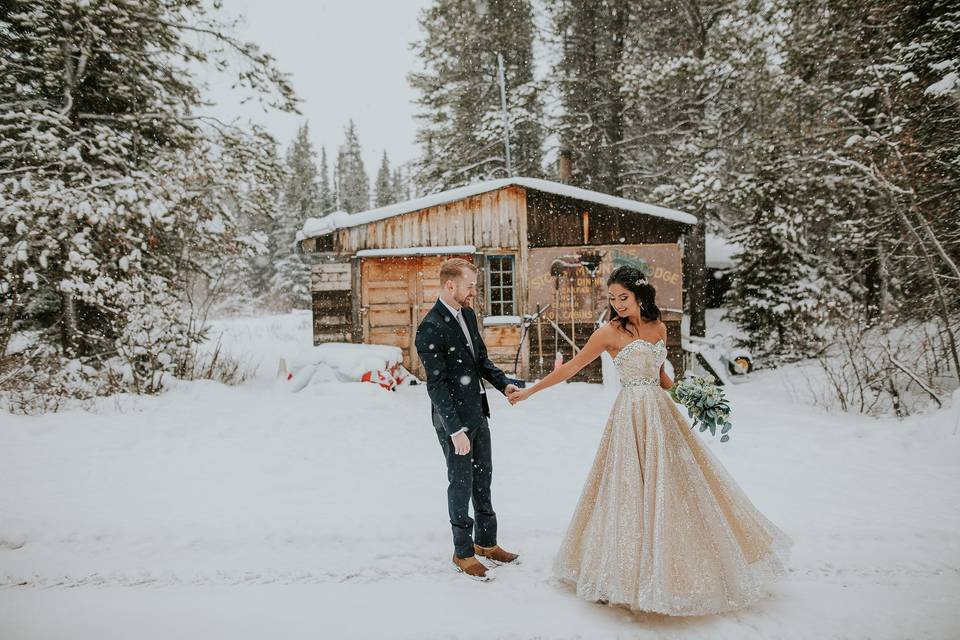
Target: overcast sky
[(348, 59)]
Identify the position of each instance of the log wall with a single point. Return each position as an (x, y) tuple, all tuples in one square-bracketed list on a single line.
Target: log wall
[(330, 289), (488, 220)]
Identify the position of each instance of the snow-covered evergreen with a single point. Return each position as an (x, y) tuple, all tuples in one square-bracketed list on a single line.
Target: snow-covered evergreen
[(832, 123), (327, 201), (352, 183), (383, 189), (290, 282), (461, 120), (116, 196), (590, 39)]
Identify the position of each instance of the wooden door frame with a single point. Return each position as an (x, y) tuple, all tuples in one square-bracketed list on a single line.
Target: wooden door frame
[(414, 265)]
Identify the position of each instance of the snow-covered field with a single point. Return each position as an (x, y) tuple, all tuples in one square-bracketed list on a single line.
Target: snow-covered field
[(250, 512)]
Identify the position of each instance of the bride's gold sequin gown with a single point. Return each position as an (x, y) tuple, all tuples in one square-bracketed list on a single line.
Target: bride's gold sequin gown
[(661, 525)]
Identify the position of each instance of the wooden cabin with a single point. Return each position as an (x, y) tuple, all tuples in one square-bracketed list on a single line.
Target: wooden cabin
[(540, 246)]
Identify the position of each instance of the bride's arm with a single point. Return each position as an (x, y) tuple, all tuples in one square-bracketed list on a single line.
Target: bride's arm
[(594, 347), (665, 381)]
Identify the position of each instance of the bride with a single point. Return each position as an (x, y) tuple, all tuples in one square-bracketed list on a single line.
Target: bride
[(660, 526)]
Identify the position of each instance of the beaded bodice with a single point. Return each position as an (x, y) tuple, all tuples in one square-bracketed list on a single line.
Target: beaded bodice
[(639, 362)]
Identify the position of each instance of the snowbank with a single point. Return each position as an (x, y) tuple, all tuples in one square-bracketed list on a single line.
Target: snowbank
[(356, 359), (246, 512)]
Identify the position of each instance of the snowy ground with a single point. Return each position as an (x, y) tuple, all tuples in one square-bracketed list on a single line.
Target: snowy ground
[(249, 513)]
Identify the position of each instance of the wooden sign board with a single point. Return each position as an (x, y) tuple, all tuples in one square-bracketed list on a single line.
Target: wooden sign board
[(574, 279)]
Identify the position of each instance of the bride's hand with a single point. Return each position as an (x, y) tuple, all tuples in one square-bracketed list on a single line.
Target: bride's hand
[(518, 395)]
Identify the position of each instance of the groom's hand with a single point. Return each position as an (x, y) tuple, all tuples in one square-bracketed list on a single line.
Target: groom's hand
[(461, 444), (510, 389)]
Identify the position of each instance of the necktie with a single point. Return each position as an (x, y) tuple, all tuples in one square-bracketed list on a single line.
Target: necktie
[(466, 332)]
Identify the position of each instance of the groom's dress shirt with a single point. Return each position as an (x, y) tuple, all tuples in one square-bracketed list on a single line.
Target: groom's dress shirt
[(458, 314)]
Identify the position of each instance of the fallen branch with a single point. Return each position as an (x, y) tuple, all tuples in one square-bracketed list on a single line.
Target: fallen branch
[(913, 376)]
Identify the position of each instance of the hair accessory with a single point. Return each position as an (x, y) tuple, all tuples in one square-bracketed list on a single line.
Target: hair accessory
[(641, 280)]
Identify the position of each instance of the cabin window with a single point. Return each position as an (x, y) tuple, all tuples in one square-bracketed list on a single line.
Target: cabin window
[(500, 286)]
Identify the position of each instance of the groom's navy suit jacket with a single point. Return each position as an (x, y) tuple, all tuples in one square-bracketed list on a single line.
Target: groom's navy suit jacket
[(453, 374)]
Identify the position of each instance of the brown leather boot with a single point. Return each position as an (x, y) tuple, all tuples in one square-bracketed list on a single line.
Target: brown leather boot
[(496, 554), (472, 567)]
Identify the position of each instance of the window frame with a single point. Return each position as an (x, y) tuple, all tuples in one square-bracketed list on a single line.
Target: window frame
[(498, 258)]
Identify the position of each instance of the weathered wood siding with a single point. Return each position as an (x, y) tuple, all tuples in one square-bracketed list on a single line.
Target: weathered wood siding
[(502, 342), (554, 221), (487, 220), (330, 288)]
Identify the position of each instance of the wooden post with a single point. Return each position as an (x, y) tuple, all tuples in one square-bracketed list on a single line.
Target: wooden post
[(695, 277), (356, 331), (539, 341)]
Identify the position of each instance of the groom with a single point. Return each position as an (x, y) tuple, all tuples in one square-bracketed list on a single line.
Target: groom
[(453, 354)]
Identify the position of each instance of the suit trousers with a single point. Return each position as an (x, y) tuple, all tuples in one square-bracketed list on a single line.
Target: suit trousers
[(469, 477)]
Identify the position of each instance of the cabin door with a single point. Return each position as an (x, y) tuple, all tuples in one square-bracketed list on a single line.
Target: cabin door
[(396, 292)]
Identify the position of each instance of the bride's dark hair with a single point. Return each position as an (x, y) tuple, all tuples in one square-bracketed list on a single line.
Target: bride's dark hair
[(634, 280)]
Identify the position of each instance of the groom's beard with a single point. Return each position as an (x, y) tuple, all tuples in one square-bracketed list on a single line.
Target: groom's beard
[(466, 302)]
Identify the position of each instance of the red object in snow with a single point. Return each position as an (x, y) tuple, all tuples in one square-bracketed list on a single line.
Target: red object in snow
[(388, 379)]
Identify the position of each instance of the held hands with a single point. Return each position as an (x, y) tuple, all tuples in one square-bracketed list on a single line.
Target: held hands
[(515, 395)]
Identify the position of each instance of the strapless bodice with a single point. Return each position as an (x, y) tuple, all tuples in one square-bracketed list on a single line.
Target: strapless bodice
[(639, 362)]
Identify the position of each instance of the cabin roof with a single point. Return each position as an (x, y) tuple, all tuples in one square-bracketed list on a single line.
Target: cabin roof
[(314, 227)]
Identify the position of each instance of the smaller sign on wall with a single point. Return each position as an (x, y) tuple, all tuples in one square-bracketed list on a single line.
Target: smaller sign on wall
[(574, 279)]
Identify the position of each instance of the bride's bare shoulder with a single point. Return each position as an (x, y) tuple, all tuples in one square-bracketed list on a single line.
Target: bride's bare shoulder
[(608, 332)]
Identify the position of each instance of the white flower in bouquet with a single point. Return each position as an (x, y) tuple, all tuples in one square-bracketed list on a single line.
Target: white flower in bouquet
[(706, 404)]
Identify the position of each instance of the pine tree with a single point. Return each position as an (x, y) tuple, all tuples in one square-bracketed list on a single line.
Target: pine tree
[(591, 37), (327, 201), (823, 132), (290, 283), (384, 193), (118, 199), (400, 184), (461, 121), (353, 185), (785, 282)]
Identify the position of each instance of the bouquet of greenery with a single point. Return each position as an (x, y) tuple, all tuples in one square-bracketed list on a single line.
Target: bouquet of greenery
[(706, 403)]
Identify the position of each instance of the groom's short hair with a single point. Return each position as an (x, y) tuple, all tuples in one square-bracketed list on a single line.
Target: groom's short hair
[(453, 268)]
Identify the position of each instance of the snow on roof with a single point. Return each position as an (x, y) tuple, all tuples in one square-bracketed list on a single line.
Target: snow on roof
[(720, 251), (313, 227), (417, 251)]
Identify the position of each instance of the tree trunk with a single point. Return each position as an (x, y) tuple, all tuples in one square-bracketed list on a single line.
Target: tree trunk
[(695, 275)]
